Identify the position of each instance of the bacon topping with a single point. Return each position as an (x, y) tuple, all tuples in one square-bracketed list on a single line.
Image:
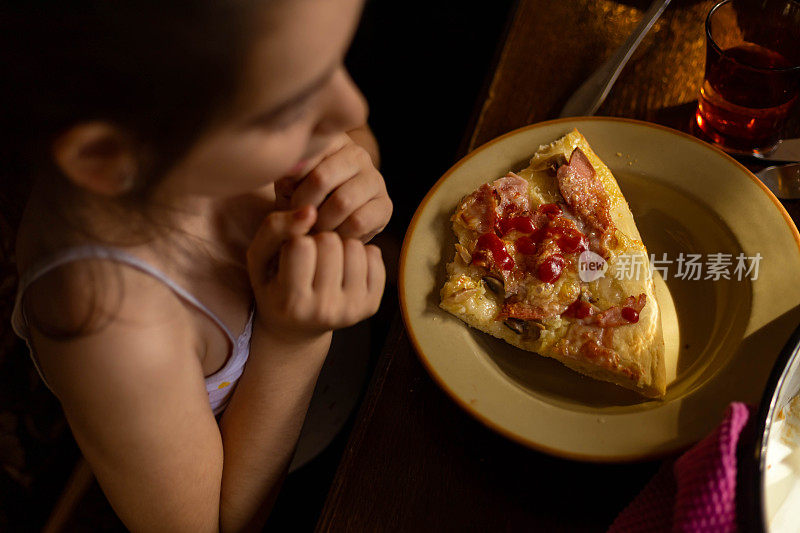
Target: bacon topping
[(579, 309), (512, 195), (478, 211), (522, 311), (531, 310), (615, 316), (583, 191), (618, 315), (481, 210)]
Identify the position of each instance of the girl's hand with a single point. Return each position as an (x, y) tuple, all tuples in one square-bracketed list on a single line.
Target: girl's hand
[(307, 285), (345, 187)]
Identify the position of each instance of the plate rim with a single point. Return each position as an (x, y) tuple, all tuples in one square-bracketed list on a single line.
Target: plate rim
[(401, 282)]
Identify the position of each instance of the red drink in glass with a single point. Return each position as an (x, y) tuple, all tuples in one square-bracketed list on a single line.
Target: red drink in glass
[(752, 76)]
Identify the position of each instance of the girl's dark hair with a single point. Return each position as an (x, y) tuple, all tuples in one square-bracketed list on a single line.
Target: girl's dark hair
[(160, 70)]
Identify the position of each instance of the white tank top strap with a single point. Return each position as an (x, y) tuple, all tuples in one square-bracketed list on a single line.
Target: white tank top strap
[(219, 385), (93, 251)]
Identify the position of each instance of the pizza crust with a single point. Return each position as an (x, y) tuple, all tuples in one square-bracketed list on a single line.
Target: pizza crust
[(639, 347)]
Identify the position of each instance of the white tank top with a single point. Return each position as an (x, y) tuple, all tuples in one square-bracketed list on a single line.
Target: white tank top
[(219, 385)]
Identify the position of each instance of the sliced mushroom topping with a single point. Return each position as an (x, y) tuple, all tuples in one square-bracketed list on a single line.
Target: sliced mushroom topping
[(515, 325), (529, 329), (493, 284)]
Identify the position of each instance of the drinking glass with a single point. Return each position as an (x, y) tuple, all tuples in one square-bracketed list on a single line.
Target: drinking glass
[(752, 76)]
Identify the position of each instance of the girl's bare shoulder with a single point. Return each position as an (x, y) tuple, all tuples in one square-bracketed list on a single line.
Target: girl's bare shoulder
[(87, 296)]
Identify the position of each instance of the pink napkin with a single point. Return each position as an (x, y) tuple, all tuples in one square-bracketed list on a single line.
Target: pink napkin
[(695, 493)]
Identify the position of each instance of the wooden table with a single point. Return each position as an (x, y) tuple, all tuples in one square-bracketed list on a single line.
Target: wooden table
[(415, 461)]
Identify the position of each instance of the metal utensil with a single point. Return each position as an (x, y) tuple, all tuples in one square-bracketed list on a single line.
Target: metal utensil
[(783, 180), (787, 152), (587, 99), (787, 149)]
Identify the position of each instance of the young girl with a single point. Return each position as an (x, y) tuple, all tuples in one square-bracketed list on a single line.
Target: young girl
[(163, 281)]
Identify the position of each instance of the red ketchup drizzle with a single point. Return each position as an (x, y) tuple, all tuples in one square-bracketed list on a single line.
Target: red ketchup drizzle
[(551, 210), (550, 269), (524, 224), (493, 243), (521, 224), (567, 239), (526, 245), (579, 309), (570, 240), (630, 314)]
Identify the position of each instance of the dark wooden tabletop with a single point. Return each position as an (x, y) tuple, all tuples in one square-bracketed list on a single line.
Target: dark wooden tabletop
[(415, 461)]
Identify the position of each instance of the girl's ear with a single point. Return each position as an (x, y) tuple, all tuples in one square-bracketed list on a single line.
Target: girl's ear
[(98, 157)]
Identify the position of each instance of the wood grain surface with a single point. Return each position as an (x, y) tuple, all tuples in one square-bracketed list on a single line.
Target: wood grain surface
[(417, 462)]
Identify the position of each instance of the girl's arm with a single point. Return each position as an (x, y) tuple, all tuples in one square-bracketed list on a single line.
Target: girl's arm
[(134, 395), (262, 423), (321, 283)]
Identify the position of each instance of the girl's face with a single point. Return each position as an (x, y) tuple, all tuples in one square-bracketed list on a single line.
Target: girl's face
[(295, 97)]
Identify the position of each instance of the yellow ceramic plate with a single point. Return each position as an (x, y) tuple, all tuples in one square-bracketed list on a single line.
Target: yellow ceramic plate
[(722, 336)]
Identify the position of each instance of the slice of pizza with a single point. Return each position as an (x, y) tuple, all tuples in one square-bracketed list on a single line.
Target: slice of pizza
[(549, 259)]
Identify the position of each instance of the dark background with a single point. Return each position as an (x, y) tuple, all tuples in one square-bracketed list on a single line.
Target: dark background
[(423, 67)]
